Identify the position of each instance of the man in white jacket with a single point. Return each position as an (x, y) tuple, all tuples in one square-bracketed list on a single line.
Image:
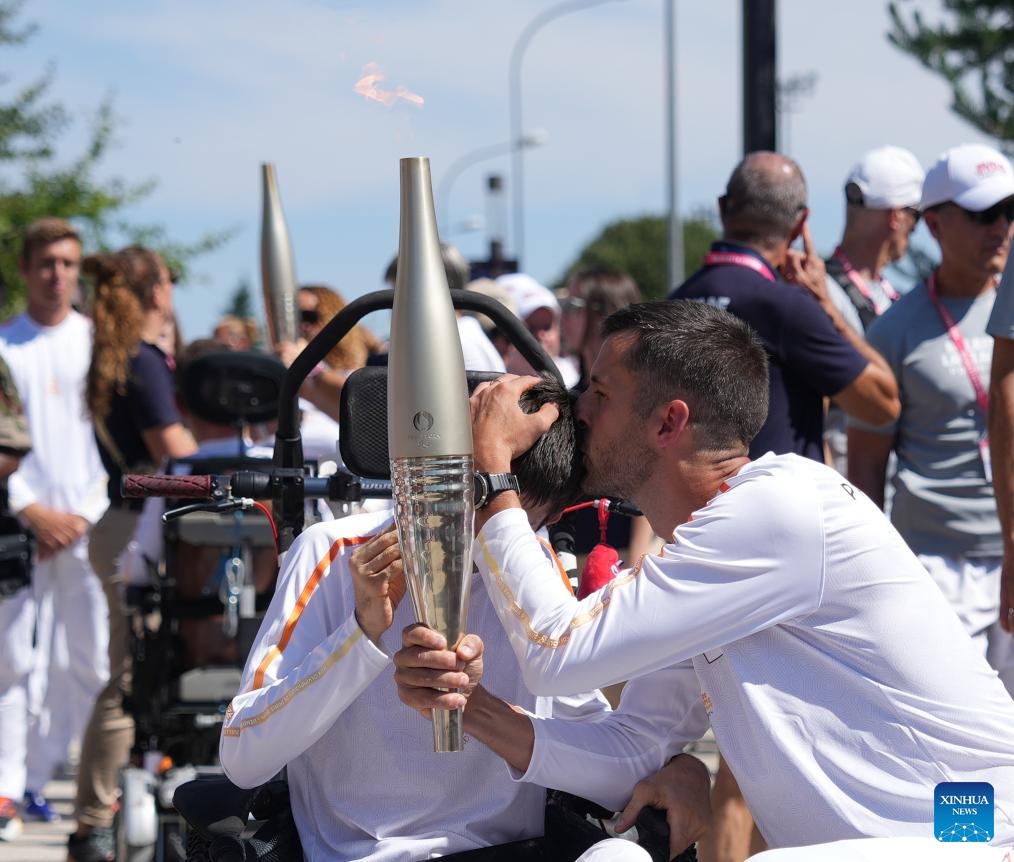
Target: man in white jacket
[(785, 611)]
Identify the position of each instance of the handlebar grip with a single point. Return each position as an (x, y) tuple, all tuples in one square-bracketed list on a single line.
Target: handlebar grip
[(184, 487)]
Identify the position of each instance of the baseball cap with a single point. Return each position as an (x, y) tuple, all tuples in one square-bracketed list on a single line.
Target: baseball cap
[(488, 287), (529, 295), (973, 176), (885, 178)]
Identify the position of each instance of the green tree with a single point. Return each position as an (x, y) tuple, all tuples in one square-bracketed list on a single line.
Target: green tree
[(971, 46), (241, 302), (35, 183), (639, 246)]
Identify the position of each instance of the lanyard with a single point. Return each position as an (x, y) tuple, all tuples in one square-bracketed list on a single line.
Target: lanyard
[(852, 275), (981, 395), (715, 258)]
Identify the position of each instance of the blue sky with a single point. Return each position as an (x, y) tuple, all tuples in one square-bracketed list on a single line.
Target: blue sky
[(206, 90)]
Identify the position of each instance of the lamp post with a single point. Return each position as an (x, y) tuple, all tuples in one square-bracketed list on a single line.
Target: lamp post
[(674, 258), (514, 98), (535, 138)]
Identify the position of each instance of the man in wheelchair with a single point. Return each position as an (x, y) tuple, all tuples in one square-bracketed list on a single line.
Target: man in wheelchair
[(318, 700)]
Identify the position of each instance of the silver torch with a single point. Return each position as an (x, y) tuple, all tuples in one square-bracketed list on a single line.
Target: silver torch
[(430, 432), (278, 269)]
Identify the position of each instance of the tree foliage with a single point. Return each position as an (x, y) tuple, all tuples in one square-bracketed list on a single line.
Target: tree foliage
[(35, 182), (639, 246), (971, 47)]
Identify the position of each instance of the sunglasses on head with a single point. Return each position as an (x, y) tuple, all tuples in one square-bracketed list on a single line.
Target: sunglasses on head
[(309, 315), (987, 217)]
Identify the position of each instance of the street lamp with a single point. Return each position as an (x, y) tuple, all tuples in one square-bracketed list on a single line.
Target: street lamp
[(517, 54), (535, 138)]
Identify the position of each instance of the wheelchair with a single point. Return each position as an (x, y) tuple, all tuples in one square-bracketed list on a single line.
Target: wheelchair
[(194, 812)]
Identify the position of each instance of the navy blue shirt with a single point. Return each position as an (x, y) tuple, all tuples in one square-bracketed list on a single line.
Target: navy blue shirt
[(149, 402), (808, 357)]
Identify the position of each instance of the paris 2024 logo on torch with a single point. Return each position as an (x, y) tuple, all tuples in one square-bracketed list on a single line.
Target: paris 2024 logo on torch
[(963, 812)]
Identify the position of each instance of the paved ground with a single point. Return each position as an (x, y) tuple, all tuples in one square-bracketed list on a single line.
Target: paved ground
[(45, 842)]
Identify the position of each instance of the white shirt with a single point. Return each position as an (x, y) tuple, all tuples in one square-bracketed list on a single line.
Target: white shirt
[(318, 696), (49, 365), (840, 684), (476, 348)]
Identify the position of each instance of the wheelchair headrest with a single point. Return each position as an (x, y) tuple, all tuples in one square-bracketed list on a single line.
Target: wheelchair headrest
[(230, 387), (363, 418)]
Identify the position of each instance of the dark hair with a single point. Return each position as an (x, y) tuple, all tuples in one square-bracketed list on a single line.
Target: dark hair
[(705, 356), (551, 472), (45, 231), (456, 268), (763, 199)]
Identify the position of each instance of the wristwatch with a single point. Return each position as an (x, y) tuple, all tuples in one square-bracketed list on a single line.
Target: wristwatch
[(488, 485)]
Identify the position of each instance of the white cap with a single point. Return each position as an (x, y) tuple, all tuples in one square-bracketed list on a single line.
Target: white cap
[(887, 177), (973, 176), (529, 295)]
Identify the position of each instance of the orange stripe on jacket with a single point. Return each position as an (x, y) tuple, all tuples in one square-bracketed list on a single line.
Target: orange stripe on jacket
[(304, 597)]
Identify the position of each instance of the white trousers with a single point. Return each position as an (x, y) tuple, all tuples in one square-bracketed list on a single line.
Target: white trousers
[(17, 621), (888, 850), (615, 850), (67, 654)]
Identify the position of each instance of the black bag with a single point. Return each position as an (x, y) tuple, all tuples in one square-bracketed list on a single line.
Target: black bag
[(17, 547)]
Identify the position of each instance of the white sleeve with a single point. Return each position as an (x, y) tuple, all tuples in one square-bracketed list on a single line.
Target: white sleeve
[(602, 760), (21, 487), (743, 563), (309, 662)]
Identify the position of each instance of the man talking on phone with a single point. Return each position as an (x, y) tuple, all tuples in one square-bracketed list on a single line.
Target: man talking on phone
[(753, 272)]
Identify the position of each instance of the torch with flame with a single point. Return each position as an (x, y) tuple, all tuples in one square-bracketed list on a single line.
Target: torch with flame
[(278, 271), (430, 432)]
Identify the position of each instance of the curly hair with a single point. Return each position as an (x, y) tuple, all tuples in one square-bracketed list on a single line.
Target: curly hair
[(357, 346), (124, 283)]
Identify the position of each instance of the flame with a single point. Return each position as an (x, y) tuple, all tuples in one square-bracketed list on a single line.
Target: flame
[(367, 87)]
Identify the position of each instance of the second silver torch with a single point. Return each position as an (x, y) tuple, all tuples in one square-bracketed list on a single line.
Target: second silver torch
[(430, 432)]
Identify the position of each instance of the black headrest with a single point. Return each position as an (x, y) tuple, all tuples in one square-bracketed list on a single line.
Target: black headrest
[(230, 387), (363, 417)]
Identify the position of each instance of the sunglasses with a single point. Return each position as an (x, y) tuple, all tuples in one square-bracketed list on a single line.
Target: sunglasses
[(572, 304), (990, 216), (309, 315), (916, 215)]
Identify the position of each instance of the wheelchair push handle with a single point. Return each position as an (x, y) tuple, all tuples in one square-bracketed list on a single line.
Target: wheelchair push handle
[(136, 486), (255, 484)]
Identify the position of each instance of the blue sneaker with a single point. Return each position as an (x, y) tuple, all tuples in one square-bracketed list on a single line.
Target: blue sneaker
[(36, 807)]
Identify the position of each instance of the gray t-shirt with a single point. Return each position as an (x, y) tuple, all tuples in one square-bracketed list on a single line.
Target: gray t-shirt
[(943, 504)]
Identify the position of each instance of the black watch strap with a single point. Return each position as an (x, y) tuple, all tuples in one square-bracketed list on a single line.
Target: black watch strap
[(488, 485)]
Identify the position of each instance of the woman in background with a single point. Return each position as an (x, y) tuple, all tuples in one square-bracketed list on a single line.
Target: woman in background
[(131, 400)]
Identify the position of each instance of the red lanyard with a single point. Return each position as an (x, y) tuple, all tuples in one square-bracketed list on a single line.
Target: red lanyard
[(713, 258), (981, 395), (852, 275)]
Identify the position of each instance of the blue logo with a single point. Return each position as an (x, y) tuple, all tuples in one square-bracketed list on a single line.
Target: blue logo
[(963, 811)]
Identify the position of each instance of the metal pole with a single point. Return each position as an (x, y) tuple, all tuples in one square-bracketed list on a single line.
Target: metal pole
[(759, 76), (514, 110), (675, 265)]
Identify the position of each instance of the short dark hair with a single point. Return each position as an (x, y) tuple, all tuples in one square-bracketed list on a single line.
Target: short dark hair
[(551, 472), (44, 231), (703, 355)]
